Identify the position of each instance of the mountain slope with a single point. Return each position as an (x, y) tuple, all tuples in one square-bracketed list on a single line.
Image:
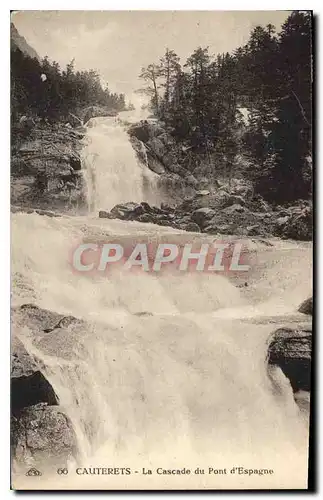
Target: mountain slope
[(19, 42)]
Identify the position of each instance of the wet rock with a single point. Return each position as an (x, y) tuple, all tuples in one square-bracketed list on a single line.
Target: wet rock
[(202, 216), (127, 211), (22, 364), (41, 435), (190, 226), (307, 306), (103, 214), (155, 164), (291, 350), (37, 319), (140, 149)]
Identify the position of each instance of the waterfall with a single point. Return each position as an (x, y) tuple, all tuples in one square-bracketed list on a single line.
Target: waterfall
[(114, 174), (167, 372)]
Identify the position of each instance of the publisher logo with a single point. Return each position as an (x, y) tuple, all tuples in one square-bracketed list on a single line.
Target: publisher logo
[(33, 472)]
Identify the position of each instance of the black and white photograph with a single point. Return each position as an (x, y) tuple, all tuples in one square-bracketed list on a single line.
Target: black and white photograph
[(161, 213)]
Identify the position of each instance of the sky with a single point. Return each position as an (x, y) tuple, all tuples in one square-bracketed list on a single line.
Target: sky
[(119, 43)]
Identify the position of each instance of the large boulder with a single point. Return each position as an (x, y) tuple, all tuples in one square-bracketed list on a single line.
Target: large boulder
[(299, 226), (41, 435), (155, 164), (144, 130), (202, 216), (291, 350), (140, 131), (127, 211)]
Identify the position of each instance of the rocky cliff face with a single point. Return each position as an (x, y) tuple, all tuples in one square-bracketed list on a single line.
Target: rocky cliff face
[(46, 170)]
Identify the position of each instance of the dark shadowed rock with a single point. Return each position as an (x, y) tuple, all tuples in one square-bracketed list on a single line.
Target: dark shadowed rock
[(307, 306), (41, 435), (291, 350), (30, 390), (299, 225), (75, 163), (145, 131), (202, 216), (28, 384)]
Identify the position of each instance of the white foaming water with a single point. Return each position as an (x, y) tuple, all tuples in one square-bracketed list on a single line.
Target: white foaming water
[(167, 372), (114, 173)]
